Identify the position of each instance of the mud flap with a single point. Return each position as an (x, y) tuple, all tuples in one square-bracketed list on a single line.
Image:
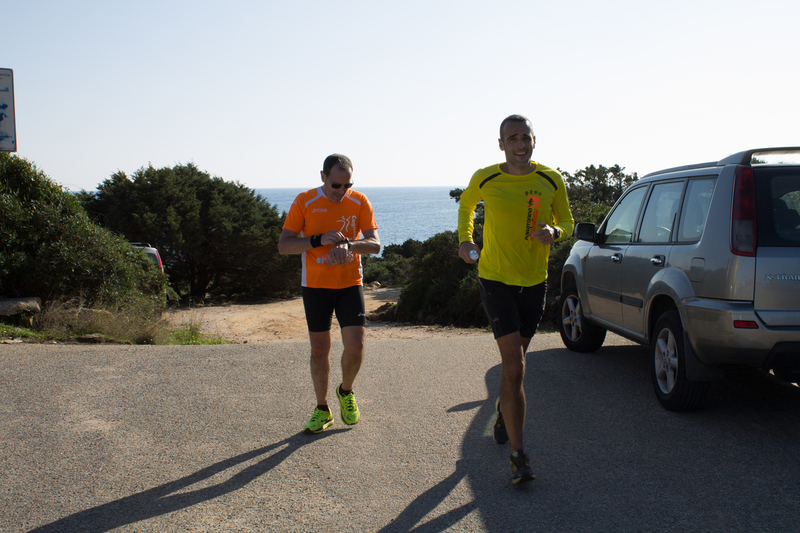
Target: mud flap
[(695, 370)]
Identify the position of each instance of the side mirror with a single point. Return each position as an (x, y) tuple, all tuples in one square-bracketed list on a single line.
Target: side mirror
[(585, 231)]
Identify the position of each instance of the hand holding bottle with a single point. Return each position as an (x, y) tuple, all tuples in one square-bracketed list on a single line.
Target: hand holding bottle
[(469, 252), (340, 254), (328, 259)]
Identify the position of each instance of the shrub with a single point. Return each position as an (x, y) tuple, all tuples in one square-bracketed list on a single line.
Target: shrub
[(49, 248), (443, 288), (394, 266), (216, 237)]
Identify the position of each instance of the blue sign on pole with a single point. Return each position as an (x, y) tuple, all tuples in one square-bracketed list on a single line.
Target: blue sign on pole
[(8, 126)]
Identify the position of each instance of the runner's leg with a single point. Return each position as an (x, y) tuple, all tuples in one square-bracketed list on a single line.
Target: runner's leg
[(350, 312), (353, 354), (320, 364), (318, 304), (530, 303), (512, 393)]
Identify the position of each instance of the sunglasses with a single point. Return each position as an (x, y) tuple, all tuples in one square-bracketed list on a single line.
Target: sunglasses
[(339, 185)]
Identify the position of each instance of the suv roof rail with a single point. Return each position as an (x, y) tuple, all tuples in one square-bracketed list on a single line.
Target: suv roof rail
[(144, 244), (746, 157), (684, 167), (740, 158)]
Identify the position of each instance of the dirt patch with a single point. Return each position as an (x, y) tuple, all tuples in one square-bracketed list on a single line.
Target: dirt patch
[(285, 321)]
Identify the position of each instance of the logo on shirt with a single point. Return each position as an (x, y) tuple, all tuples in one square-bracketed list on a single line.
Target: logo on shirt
[(533, 214), (349, 223), (319, 210)]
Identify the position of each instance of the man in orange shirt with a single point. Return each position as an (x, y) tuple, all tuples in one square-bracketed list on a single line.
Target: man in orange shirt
[(330, 226)]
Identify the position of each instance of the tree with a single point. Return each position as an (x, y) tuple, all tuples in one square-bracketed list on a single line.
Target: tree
[(478, 220), (49, 248), (593, 191), (443, 288), (393, 266), (216, 238)]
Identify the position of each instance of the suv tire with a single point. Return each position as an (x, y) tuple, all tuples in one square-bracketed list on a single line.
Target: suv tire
[(672, 388), (577, 333)]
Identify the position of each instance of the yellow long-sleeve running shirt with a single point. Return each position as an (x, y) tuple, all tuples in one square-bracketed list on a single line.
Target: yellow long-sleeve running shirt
[(512, 207)]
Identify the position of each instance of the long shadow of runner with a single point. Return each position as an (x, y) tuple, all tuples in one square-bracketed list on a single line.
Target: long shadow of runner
[(480, 459), (162, 499), (614, 458)]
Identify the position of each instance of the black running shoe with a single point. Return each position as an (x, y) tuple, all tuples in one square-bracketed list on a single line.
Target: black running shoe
[(521, 470), (500, 433)]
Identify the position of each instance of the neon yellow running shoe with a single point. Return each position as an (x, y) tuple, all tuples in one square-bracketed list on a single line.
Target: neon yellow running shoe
[(349, 409), (319, 421), (520, 468)]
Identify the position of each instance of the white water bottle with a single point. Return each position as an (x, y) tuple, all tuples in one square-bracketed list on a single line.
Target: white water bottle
[(326, 259), (473, 254)]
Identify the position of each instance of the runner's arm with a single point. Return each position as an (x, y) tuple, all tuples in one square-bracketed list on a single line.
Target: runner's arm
[(370, 243), (466, 219), (291, 243)]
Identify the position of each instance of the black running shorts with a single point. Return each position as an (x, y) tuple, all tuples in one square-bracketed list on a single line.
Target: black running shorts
[(320, 304), (511, 308)]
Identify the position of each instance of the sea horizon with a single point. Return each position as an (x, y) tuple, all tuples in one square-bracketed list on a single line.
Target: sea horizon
[(401, 212)]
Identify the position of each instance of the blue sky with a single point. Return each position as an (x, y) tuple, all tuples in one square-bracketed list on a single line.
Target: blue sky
[(412, 91)]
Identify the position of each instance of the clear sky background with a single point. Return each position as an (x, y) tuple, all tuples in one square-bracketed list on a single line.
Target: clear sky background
[(260, 92)]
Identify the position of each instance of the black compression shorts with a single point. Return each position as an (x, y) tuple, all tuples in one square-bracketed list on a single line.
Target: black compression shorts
[(511, 308), (320, 304)]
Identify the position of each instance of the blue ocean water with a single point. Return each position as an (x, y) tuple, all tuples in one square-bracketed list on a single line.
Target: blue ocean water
[(402, 213)]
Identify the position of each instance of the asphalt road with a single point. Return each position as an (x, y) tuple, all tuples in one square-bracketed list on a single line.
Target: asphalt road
[(208, 438)]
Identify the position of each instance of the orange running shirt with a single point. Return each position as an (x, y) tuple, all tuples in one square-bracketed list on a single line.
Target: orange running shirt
[(312, 213)]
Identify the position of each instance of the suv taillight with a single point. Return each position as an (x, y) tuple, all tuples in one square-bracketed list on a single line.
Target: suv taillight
[(743, 222)]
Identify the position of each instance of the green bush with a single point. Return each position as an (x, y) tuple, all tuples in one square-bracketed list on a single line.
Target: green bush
[(394, 266), (443, 288), (407, 250), (49, 248), (216, 238)]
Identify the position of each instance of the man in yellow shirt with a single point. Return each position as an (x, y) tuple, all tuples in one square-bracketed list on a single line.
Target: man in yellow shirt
[(525, 210), (330, 226)]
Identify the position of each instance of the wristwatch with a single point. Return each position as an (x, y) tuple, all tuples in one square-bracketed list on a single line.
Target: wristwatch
[(556, 233)]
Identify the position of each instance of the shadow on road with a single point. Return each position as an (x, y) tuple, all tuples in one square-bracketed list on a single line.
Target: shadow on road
[(476, 459), (429, 500), (609, 458), (165, 498)]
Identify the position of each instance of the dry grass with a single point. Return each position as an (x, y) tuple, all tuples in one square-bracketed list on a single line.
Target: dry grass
[(69, 320), (190, 331)]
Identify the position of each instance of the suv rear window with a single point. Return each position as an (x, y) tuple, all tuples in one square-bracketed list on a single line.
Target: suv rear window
[(778, 205), (695, 209)]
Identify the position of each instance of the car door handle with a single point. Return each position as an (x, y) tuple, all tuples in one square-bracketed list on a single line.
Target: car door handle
[(657, 260), (616, 258)]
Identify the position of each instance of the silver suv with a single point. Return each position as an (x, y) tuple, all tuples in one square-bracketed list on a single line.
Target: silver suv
[(150, 252), (702, 264)]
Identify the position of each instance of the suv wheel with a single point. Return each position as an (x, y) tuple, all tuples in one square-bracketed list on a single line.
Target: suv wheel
[(578, 334), (673, 389)]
